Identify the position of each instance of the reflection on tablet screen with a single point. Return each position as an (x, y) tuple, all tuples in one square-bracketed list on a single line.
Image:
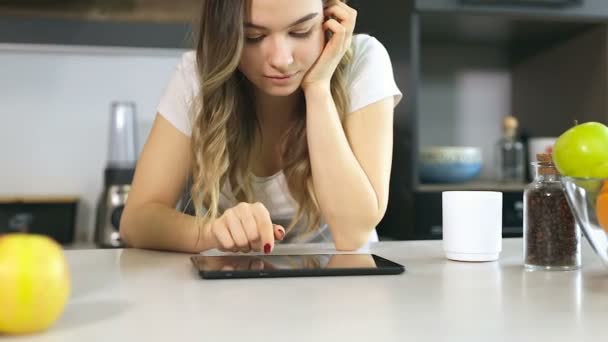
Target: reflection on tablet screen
[(275, 262)]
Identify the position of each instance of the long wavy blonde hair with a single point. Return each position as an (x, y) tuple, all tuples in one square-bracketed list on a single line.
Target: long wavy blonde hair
[(224, 127)]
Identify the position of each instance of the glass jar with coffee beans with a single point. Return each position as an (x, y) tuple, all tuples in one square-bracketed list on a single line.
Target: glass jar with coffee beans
[(552, 240)]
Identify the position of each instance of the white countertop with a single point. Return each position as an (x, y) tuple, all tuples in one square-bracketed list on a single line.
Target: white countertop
[(136, 295)]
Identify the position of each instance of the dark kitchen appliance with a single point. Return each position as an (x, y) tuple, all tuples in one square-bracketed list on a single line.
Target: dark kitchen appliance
[(118, 174)]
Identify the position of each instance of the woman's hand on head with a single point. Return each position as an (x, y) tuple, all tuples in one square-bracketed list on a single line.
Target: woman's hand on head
[(341, 25), (244, 228)]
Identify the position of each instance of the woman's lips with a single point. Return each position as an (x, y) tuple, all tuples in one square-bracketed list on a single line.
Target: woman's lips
[(280, 79)]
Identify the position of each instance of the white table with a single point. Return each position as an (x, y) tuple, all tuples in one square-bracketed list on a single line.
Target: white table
[(137, 295)]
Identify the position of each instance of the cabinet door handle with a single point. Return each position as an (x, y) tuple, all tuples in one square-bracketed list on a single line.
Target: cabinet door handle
[(519, 208)]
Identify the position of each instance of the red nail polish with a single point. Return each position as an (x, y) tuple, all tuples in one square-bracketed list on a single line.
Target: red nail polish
[(267, 248)]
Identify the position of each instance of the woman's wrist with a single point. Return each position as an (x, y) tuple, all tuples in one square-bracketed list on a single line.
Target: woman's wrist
[(203, 239), (317, 89)]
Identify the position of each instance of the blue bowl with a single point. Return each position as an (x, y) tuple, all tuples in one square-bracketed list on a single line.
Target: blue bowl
[(449, 164)]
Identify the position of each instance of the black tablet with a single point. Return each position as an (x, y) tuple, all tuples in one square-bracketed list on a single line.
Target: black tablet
[(311, 265)]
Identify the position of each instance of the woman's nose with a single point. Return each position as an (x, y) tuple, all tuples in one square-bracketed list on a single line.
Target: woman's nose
[(280, 56)]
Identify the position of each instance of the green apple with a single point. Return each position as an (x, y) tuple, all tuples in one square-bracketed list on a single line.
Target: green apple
[(582, 151), (600, 171)]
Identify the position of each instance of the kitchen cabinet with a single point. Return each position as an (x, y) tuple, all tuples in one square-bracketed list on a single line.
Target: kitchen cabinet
[(51, 216), (130, 23), (160, 11), (429, 226), (556, 9), (81, 32), (545, 65), (565, 82)]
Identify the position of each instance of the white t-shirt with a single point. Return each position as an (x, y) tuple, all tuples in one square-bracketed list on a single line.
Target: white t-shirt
[(370, 79)]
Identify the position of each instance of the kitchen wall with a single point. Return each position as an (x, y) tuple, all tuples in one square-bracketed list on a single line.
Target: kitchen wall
[(465, 91), (54, 104)]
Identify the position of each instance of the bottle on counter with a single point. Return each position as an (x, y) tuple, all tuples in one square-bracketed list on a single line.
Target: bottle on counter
[(552, 239), (510, 153)]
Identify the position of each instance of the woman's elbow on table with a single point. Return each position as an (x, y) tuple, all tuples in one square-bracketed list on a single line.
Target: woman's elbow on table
[(350, 244), (352, 237), (352, 233), (126, 229)]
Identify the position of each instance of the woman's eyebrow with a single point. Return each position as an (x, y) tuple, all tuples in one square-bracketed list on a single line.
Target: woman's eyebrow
[(299, 21)]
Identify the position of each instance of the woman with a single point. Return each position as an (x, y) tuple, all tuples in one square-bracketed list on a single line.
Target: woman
[(282, 123)]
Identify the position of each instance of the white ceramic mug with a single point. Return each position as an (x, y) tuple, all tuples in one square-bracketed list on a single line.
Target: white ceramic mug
[(472, 225)]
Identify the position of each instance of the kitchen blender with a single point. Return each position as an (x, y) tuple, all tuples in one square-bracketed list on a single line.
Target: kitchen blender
[(118, 174)]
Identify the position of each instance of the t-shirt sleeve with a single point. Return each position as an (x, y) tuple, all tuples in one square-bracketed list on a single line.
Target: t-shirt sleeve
[(371, 77), (176, 101)]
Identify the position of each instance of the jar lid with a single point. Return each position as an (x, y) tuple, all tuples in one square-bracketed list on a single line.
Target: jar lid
[(545, 164), (544, 157)]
